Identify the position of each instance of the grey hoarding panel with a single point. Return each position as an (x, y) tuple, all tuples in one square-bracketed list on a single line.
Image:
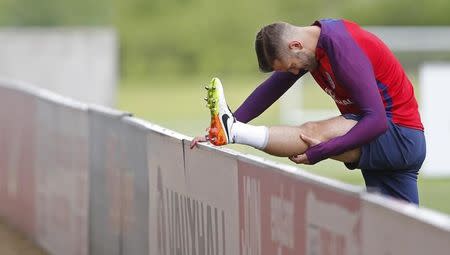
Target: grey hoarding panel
[(391, 227), (62, 175), (134, 181), (166, 166), (193, 202), (212, 181), (17, 190), (105, 182)]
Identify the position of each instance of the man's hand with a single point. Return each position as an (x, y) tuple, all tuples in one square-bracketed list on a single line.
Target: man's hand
[(302, 158), (198, 139)]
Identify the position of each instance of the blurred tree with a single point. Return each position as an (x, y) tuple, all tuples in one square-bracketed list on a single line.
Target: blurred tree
[(399, 12), (204, 37), (56, 12), (185, 37)]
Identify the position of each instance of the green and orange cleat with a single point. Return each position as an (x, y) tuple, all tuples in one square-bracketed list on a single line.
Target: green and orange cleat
[(222, 119)]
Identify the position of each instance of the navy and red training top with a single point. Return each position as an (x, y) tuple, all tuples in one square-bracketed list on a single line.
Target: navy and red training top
[(362, 76)]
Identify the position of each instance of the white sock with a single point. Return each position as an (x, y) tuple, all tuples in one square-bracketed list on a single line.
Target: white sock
[(255, 136)]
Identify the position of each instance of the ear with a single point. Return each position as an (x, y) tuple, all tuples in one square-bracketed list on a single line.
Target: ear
[(295, 45)]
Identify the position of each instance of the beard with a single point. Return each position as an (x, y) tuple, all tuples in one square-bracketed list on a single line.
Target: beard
[(307, 59)]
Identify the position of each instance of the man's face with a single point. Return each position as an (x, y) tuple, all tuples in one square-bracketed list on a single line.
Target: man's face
[(295, 62), (288, 64)]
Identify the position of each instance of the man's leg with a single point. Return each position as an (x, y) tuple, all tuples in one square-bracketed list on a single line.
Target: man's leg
[(285, 141), (391, 162), (401, 184)]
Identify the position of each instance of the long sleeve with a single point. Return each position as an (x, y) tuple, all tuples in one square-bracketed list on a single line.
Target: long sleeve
[(354, 72), (265, 95)]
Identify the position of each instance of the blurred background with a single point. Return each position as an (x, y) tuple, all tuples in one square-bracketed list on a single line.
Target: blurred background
[(168, 49)]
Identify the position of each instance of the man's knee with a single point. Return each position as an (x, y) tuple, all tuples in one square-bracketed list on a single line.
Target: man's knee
[(312, 129)]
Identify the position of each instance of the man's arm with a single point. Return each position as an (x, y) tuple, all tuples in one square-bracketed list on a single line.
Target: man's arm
[(265, 95), (354, 71)]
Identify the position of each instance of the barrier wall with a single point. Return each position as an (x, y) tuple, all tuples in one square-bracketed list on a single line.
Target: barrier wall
[(82, 179), (105, 181), (119, 184), (61, 180), (286, 213), (135, 188), (166, 166), (394, 228), (17, 160), (195, 210)]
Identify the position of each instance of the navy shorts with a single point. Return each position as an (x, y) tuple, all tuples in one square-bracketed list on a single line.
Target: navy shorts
[(390, 163)]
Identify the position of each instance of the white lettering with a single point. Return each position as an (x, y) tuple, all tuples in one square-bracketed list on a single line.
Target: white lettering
[(338, 101), (331, 229), (251, 234), (188, 226), (282, 219)]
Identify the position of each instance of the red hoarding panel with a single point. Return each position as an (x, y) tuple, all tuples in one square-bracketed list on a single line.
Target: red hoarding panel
[(391, 227), (281, 213)]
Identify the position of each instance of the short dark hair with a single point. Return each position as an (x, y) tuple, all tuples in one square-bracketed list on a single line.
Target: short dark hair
[(267, 45)]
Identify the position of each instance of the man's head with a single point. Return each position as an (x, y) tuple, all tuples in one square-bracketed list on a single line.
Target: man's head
[(281, 47)]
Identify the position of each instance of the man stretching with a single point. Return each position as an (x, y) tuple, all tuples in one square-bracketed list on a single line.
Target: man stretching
[(379, 131)]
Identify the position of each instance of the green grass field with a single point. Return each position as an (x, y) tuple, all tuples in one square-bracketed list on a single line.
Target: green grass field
[(178, 104)]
